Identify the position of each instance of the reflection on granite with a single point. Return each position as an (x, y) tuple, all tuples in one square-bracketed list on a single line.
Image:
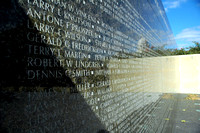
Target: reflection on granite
[(82, 66)]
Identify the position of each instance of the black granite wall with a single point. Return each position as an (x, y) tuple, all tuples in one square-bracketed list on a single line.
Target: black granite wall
[(77, 65)]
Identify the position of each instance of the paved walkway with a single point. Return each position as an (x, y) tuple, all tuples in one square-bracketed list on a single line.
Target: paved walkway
[(184, 113)]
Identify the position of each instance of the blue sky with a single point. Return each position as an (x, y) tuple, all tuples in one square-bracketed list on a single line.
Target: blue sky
[(184, 19)]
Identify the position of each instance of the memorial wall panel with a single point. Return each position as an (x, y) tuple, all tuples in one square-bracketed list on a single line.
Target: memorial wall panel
[(83, 65)]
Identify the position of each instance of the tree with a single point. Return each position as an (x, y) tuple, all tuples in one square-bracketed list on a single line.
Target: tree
[(191, 50), (195, 49)]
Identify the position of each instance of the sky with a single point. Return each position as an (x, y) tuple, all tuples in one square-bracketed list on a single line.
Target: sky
[(184, 19)]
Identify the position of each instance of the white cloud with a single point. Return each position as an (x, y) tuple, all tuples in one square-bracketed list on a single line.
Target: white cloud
[(189, 34), (169, 4), (182, 45)]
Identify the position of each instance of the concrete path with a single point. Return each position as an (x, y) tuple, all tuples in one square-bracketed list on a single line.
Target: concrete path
[(184, 114)]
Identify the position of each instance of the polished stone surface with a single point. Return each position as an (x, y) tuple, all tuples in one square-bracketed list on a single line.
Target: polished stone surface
[(82, 65)]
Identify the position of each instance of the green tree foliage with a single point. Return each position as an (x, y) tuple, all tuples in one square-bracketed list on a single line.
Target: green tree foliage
[(190, 50), (196, 49)]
